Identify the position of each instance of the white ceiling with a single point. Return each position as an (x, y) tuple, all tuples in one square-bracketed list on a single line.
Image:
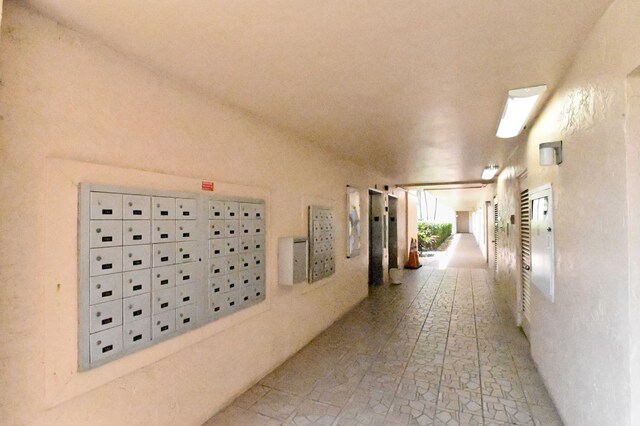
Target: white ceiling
[(413, 88)]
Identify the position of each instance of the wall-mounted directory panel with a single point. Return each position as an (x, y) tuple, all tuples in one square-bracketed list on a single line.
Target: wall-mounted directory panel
[(321, 243), (146, 263)]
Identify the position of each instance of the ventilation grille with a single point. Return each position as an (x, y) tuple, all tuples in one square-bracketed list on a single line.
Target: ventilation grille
[(525, 239), (495, 237)]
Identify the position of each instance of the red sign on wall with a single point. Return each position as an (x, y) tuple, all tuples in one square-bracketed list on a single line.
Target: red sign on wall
[(207, 185)]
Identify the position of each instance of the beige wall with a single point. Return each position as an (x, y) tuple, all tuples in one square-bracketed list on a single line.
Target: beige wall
[(581, 342), (73, 110), (633, 184)]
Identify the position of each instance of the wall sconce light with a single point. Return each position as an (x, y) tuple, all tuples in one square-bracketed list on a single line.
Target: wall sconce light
[(550, 153)]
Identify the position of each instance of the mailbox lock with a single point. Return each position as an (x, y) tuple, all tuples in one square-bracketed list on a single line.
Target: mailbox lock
[(159, 251), (98, 314), (158, 276), (99, 230), (130, 229), (158, 205), (158, 228), (99, 342), (130, 280), (130, 306), (158, 323), (98, 286), (130, 331), (130, 254), (180, 250), (99, 258)]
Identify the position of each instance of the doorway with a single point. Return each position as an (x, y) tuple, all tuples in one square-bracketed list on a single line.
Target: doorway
[(376, 237), (462, 222), (393, 231)]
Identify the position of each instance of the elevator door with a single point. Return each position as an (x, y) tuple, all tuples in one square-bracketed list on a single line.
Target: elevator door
[(393, 232), (376, 229)]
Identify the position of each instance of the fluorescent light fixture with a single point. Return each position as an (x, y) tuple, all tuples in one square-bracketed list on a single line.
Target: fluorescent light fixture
[(516, 112), (489, 172)]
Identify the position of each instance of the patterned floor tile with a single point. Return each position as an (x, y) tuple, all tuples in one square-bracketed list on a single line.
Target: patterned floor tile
[(456, 418), (311, 412), (276, 404), (451, 399), (434, 351), (504, 410), (250, 397)]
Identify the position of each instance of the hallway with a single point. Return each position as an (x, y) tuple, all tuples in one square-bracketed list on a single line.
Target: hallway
[(462, 252), (436, 350)]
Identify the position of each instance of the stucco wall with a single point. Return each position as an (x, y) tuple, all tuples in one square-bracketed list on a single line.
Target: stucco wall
[(73, 110), (633, 184), (581, 342)]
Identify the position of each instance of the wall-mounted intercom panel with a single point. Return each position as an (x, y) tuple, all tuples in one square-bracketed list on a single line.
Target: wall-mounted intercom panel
[(322, 262), (155, 264)]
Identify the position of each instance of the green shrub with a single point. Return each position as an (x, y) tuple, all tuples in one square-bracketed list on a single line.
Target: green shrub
[(431, 235)]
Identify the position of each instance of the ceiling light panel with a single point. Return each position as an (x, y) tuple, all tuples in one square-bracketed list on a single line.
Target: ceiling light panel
[(517, 110)]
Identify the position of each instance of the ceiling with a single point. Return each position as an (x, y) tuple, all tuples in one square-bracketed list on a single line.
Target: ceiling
[(412, 88)]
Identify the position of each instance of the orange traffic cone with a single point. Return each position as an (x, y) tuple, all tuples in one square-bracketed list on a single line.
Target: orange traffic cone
[(414, 262)]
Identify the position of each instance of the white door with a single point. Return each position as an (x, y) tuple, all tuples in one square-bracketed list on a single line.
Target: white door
[(542, 258)]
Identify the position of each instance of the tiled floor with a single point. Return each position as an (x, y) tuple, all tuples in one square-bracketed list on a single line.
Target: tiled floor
[(436, 350)]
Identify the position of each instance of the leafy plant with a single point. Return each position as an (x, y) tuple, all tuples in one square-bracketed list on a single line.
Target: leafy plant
[(432, 235)]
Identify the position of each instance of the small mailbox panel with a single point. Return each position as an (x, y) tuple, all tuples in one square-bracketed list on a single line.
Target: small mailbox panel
[(186, 294), (186, 273), (136, 257), (217, 248), (106, 233), (163, 208), (163, 325), (186, 208), (186, 317), (137, 333), (136, 207), (105, 288), (106, 344), (163, 277), (163, 231), (106, 206), (186, 252), (137, 307), (216, 209), (186, 230), (105, 315), (164, 254), (104, 261), (163, 300), (136, 232), (136, 282)]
